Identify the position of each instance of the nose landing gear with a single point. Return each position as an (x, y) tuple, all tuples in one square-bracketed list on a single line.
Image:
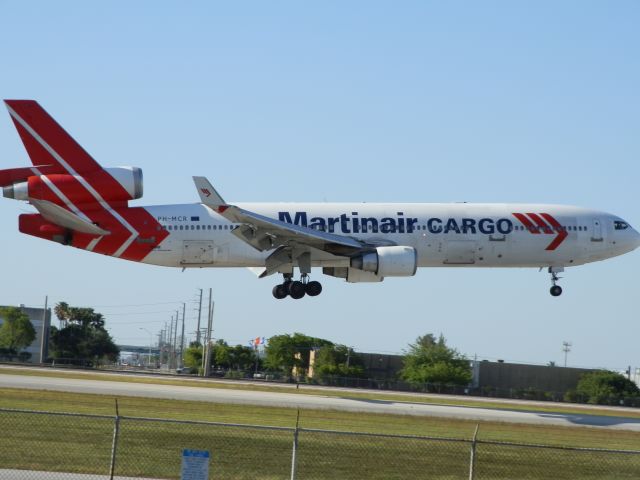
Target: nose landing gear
[(555, 290), (297, 289)]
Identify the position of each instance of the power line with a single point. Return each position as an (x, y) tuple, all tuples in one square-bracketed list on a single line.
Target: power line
[(163, 312), (136, 305)]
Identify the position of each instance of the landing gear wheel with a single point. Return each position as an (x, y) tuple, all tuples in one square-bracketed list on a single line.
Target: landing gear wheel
[(313, 289), (556, 290), (296, 289), (280, 291)]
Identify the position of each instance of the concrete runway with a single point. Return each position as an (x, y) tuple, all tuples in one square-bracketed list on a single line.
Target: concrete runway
[(291, 400)]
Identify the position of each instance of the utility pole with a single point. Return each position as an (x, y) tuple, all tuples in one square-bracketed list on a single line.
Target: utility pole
[(184, 309), (45, 331), (163, 343), (199, 316), (171, 350), (566, 348), (175, 340), (159, 361), (206, 357)]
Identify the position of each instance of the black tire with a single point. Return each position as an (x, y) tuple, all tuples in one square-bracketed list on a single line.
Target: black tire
[(313, 289), (279, 292), (556, 290), (296, 290)]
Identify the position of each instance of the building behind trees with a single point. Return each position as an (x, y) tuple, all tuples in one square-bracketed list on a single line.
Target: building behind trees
[(31, 353)]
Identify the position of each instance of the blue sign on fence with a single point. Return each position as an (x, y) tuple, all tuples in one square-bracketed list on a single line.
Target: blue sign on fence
[(195, 465)]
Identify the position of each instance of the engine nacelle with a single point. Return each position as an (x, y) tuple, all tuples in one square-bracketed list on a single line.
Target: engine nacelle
[(113, 184), (130, 178), (398, 261), (352, 275)]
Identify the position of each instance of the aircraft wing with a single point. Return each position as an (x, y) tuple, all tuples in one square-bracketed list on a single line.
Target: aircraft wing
[(265, 233)]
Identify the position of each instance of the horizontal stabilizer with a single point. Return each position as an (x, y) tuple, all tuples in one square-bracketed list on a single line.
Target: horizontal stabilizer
[(16, 175), (65, 218)]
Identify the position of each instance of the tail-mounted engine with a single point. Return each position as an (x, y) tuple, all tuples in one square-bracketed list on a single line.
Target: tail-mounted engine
[(80, 189)]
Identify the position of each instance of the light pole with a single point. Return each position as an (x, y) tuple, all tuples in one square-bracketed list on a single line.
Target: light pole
[(566, 348), (150, 345)]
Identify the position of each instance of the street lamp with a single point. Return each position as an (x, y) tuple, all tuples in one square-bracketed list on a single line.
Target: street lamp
[(150, 345)]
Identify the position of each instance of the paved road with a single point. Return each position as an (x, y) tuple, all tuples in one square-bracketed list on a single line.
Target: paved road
[(34, 475), (279, 399)]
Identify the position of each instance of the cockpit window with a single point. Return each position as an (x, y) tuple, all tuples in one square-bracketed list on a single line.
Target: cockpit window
[(620, 225)]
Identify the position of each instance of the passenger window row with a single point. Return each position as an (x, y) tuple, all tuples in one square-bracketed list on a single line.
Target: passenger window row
[(199, 227)]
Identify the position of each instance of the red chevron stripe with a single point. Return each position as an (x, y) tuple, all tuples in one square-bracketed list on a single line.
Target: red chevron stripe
[(540, 222), (562, 234), (526, 222)]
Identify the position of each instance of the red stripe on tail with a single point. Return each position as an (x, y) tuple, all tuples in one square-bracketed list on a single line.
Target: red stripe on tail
[(42, 125)]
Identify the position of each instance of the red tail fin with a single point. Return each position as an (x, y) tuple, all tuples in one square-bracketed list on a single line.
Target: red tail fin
[(47, 143)]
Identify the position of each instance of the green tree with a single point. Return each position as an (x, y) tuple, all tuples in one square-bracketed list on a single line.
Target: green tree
[(16, 331), (605, 387), (337, 360), (242, 357), (220, 354), (84, 339), (100, 345), (432, 361), (237, 357), (284, 352), (84, 317), (193, 357)]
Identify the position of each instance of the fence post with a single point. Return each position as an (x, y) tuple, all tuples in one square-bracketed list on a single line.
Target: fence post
[(472, 461), (114, 444), (295, 448)]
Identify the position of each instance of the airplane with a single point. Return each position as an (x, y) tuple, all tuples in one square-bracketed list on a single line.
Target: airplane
[(81, 204)]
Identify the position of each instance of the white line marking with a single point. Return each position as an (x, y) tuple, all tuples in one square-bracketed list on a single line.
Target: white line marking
[(93, 243)]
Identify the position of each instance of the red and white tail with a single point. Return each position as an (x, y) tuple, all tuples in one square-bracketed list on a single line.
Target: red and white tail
[(79, 202), (57, 158), (47, 143)]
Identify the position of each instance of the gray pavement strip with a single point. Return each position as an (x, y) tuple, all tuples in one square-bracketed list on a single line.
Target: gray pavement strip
[(35, 475)]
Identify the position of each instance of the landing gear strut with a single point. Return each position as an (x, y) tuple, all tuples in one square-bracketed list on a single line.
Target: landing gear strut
[(555, 290), (297, 289)]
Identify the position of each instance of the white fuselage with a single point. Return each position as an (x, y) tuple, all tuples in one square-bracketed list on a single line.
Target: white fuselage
[(443, 234)]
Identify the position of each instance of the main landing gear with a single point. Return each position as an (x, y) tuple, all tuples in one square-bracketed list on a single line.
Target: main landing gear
[(555, 290), (297, 289)]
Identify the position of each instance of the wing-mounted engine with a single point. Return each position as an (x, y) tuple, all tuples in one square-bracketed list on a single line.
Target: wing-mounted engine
[(118, 184), (373, 266), (397, 261)]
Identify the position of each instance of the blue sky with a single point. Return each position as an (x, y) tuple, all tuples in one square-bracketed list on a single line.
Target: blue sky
[(343, 101)]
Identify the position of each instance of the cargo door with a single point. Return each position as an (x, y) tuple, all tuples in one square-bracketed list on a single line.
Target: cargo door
[(197, 252), (460, 252)]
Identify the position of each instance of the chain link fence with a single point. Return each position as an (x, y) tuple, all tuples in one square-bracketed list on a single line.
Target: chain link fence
[(60, 446)]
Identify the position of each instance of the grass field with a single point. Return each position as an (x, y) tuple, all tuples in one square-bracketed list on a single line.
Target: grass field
[(152, 449)]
